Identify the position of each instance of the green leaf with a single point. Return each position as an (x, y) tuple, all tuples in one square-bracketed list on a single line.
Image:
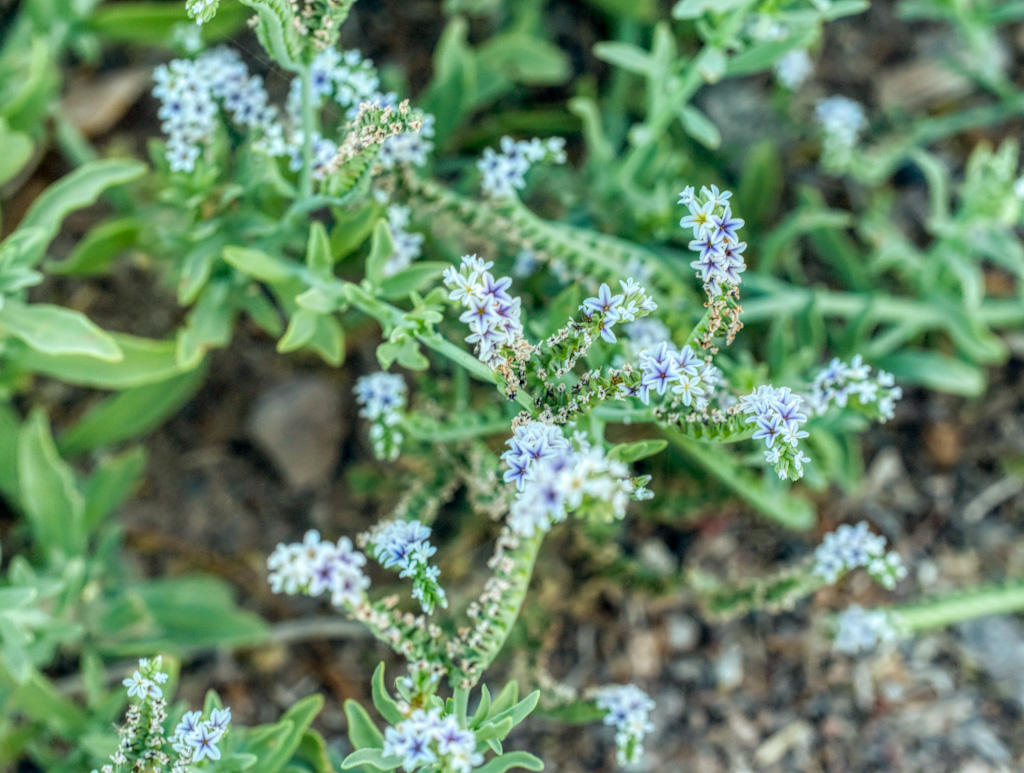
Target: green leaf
[(153, 23), (641, 449), (301, 328), (145, 361), (382, 700), (512, 760), (49, 494), (381, 248), (209, 325), (519, 711), (411, 279), (935, 371), (58, 331), (760, 190), (16, 149), (506, 698), (525, 59), (624, 55), (351, 229), (98, 249), (298, 718), (362, 733), (111, 484), (700, 127), (482, 708), (259, 264), (79, 189), (318, 252), (373, 757), (131, 413)]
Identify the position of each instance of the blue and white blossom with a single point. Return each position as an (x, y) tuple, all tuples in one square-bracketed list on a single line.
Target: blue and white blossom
[(316, 567), (842, 121), (855, 547), (778, 420), (504, 172), (404, 545), (555, 476), (408, 244), (492, 314), (862, 630), (793, 68), (382, 396), (679, 372), (628, 711), (426, 738), (845, 384), (408, 147), (611, 308), (715, 238)]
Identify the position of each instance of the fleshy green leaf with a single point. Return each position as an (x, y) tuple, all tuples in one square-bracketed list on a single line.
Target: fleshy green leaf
[(641, 449), (512, 760), (372, 757), (56, 330), (98, 249), (362, 733), (382, 247), (382, 700)]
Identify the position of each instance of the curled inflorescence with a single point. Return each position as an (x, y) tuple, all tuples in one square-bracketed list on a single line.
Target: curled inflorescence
[(491, 313), (852, 547), (862, 630), (504, 173), (715, 240), (404, 545), (427, 738), (852, 384), (382, 397), (777, 419), (143, 744), (315, 567), (629, 710), (555, 476)]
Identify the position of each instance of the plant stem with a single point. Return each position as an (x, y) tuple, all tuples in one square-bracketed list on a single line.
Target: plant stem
[(979, 602), (308, 129)]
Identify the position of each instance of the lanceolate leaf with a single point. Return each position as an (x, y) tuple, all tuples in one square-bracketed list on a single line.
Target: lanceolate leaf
[(56, 330)]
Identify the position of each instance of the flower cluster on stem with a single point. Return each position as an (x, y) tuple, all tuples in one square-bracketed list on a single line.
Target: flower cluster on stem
[(778, 420), (382, 396), (720, 252), (852, 547), (315, 567), (628, 710), (491, 313), (555, 476), (404, 545), (862, 630), (426, 738), (852, 384), (143, 743), (505, 172)]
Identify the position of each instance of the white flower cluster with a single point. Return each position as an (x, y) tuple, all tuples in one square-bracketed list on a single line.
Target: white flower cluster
[(842, 120), (344, 76), (504, 173), (189, 91), (404, 545), (554, 476), (626, 306), (408, 244), (198, 739), (382, 397), (862, 630), (316, 566), (715, 238), (146, 681), (628, 709), (793, 68), (852, 547), (664, 368), (428, 739), (491, 313), (839, 382), (776, 416)]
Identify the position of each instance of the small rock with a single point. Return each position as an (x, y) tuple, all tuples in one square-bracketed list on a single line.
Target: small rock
[(682, 632), (729, 668), (299, 426), (943, 444), (643, 655), (656, 556), (996, 644)]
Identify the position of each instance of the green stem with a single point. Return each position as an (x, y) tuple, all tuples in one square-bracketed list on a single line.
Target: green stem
[(979, 602), (308, 129)]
